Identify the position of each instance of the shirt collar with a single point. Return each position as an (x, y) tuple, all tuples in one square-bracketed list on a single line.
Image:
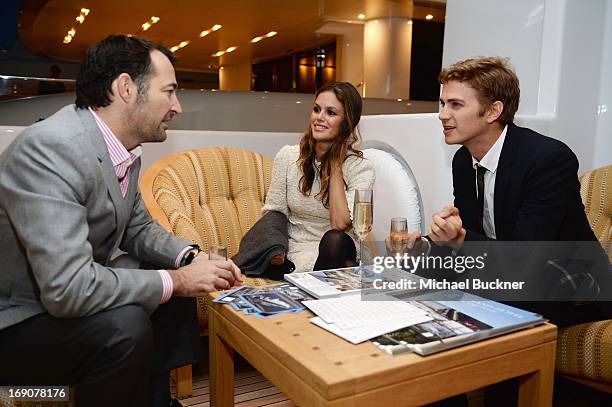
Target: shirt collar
[(491, 158), (117, 151)]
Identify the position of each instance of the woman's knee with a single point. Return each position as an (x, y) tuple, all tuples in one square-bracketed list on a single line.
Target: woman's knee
[(335, 239)]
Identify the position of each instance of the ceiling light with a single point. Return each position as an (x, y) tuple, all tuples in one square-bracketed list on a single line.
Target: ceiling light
[(72, 32), (183, 44), (211, 29), (268, 35), (231, 49), (428, 17), (361, 16), (218, 54), (148, 24)]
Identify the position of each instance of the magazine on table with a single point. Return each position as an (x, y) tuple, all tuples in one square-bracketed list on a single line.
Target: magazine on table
[(455, 323), (343, 281), (267, 301)]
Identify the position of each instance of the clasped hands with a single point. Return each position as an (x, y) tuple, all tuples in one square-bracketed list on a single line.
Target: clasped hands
[(446, 230)]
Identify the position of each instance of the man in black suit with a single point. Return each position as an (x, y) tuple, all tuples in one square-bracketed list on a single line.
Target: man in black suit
[(510, 183)]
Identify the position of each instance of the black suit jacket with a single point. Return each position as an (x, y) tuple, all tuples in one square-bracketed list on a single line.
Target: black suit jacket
[(537, 193), (536, 198)]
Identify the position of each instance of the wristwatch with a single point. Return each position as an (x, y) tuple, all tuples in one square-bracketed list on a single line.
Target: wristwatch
[(190, 255)]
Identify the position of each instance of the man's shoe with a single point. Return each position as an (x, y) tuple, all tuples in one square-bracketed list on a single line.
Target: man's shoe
[(175, 403)]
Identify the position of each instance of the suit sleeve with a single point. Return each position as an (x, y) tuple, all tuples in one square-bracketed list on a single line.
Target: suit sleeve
[(146, 240), (43, 187), (549, 188)]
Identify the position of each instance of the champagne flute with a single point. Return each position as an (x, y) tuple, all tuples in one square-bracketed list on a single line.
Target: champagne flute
[(363, 214)]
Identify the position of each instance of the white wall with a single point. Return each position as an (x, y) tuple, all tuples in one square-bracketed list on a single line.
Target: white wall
[(561, 50), (603, 141), (498, 27), (266, 143)]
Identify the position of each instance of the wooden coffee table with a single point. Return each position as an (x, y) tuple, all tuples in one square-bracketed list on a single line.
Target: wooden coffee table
[(316, 368)]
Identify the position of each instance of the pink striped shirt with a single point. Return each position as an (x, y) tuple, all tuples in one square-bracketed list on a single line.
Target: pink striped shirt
[(122, 159)]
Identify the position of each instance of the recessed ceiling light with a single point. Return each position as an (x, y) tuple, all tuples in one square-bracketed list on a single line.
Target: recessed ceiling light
[(84, 12), (216, 27), (148, 24), (183, 44), (428, 17), (361, 16), (261, 37)]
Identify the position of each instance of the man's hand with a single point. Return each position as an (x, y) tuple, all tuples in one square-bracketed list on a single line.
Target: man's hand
[(203, 276), (447, 228)]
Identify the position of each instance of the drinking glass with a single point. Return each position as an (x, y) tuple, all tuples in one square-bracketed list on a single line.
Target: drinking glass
[(398, 236), (363, 216), (217, 252)]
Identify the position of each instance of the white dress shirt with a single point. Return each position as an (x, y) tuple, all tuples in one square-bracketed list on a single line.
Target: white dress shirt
[(490, 162)]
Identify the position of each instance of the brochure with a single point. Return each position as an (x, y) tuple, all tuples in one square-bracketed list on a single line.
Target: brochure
[(264, 302), (344, 281), (455, 323)]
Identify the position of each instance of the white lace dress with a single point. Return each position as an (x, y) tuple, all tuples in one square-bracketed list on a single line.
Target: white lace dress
[(308, 218)]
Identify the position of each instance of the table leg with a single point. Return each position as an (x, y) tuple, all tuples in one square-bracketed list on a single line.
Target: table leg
[(536, 388), (221, 357)]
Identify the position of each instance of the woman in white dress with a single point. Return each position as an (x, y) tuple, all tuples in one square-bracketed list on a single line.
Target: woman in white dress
[(313, 183)]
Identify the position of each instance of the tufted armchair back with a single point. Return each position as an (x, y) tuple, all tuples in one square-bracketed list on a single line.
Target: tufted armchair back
[(208, 195), (596, 194), (211, 196), (584, 351)]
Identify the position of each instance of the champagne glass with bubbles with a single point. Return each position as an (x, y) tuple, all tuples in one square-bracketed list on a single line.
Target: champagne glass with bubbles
[(363, 216)]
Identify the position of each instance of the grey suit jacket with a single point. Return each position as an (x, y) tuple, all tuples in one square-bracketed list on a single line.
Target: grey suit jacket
[(62, 217)]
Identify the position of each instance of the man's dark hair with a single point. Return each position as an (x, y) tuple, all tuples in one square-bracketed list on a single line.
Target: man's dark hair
[(104, 62)]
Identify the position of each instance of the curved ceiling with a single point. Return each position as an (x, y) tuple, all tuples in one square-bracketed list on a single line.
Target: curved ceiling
[(43, 25)]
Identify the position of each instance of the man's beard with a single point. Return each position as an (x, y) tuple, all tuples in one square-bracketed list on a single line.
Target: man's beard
[(146, 129)]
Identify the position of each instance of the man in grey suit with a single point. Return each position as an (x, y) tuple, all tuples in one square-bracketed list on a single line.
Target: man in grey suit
[(70, 312)]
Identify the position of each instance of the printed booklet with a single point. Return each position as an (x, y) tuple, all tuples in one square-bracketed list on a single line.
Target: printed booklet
[(344, 281), (455, 323)]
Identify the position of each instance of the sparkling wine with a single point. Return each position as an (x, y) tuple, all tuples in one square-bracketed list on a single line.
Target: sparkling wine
[(399, 240), (363, 218)]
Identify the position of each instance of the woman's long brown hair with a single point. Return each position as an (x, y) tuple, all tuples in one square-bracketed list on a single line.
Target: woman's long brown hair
[(350, 99)]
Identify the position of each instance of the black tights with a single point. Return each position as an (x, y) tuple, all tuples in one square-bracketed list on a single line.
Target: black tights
[(336, 250)]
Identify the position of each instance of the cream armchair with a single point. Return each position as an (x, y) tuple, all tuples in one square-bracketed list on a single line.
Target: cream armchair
[(584, 351), (211, 196)]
